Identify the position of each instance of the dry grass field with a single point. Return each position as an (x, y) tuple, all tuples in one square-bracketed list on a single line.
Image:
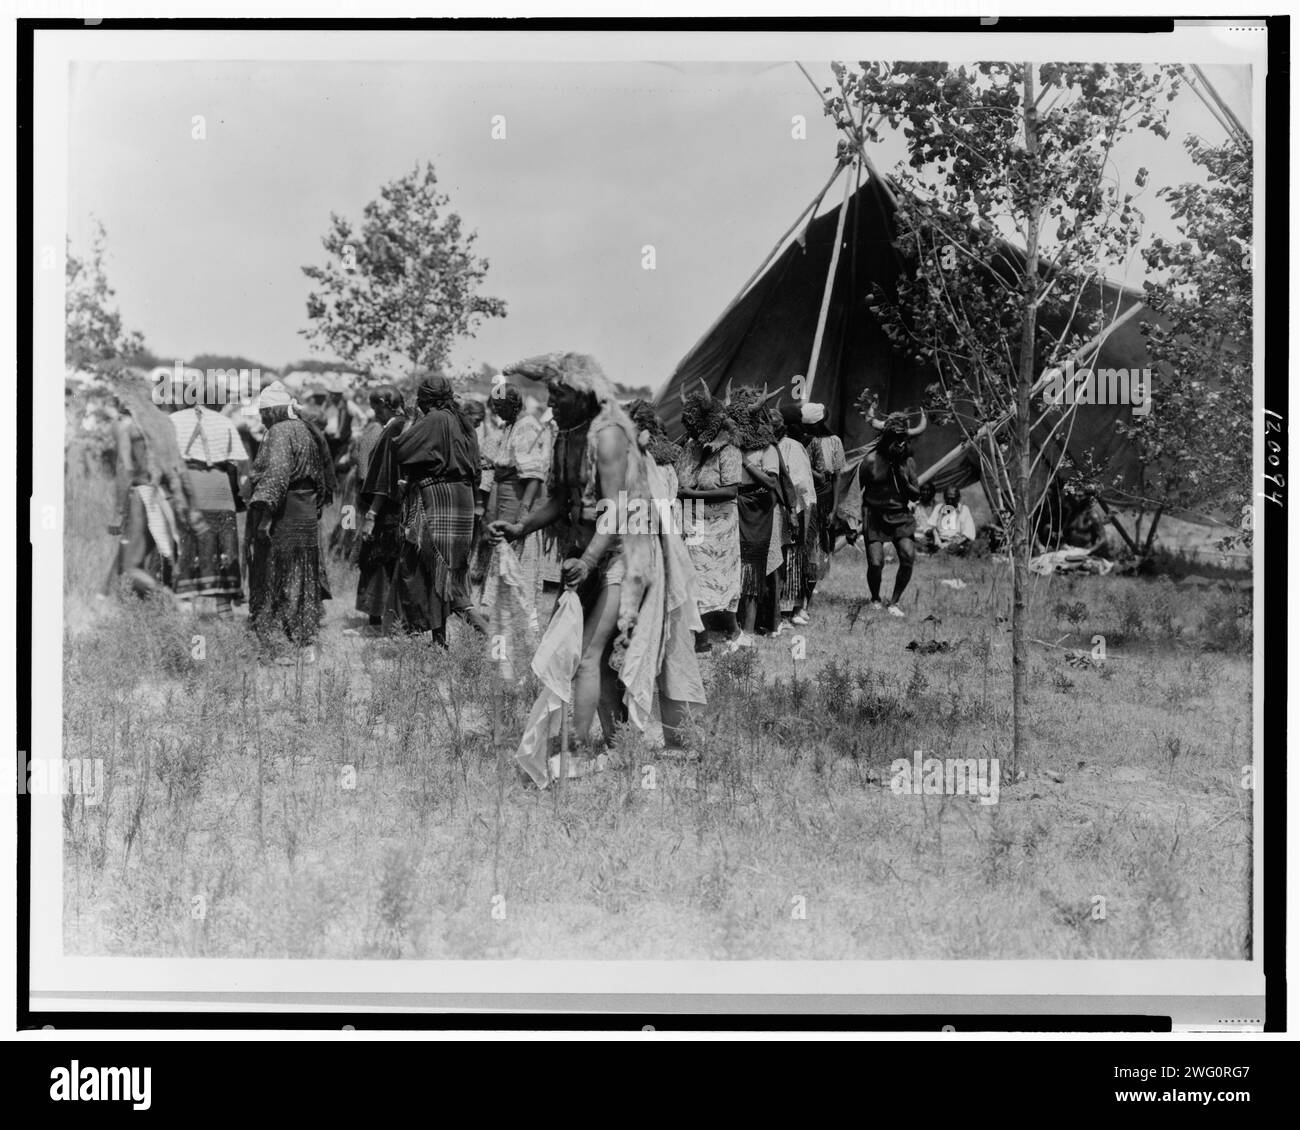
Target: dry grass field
[(366, 807)]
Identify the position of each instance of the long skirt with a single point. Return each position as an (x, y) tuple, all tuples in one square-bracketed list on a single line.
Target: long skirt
[(208, 563), (378, 562), (795, 568), (817, 544), (754, 507), (714, 544), (209, 560), (286, 575), (437, 534), (805, 563), (505, 504)]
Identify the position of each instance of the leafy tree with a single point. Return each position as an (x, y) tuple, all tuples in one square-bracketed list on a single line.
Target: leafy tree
[(94, 338), (1196, 450), (999, 152), (405, 285)]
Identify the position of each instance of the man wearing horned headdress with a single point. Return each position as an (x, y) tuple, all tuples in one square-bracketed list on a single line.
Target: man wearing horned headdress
[(888, 480), (634, 578)]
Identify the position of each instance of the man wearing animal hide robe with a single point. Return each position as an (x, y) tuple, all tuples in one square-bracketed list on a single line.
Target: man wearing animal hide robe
[(630, 571)]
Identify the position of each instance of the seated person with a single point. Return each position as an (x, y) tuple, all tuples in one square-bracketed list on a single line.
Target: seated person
[(954, 527), (924, 510), (1086, 527)]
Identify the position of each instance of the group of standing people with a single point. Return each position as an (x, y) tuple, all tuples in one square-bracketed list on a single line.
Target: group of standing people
[(181, 479), (446, 513), (177, 493), (765, 481)]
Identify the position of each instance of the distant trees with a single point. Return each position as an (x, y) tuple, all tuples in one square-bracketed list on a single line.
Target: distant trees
[(404, 286), (315, 365), (207, 361)]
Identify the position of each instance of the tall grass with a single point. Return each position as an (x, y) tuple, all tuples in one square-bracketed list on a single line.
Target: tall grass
[(367, 806)]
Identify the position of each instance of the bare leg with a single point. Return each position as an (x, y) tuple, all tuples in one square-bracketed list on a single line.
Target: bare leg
[(875, 567), (906, 548), (590, 689)]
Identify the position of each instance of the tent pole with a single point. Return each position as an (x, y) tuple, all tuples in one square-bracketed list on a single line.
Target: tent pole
[(991, 429), (1114, 521), (857, 141), (829, 288), (761, 268), (1236, 127), (1219, 119)]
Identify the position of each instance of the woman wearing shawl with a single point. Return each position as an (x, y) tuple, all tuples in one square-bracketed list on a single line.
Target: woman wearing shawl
[(636, 589), (439, 461), (208, 560), (148, 476), (511, 575), (709, 473), (379, 498), (292, 481), (761, 500), (345, 536), (796, 589), (516, 457), (826, 455)]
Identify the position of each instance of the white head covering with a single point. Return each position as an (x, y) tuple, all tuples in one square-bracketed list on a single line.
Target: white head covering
[(274, 395), (812, 413)]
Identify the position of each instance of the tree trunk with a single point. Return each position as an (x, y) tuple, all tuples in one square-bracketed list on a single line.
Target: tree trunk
[(1024, 383)]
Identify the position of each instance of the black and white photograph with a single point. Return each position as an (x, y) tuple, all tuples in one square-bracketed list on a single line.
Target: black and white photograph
[(718, 512)]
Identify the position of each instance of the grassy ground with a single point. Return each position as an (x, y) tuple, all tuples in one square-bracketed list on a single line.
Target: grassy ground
[(360, 808)]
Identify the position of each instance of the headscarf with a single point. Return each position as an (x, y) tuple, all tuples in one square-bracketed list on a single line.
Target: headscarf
[(813, 421), (436, 393), (275, 395), (662, 450)]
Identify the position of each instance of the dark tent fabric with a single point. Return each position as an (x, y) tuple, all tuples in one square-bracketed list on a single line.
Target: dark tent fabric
[(767, 337)]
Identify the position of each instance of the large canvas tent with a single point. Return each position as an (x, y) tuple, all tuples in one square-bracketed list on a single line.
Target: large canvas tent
[(766, 336)]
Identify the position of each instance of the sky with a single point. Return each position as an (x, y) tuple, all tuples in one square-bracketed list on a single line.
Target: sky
[(206, 239)]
